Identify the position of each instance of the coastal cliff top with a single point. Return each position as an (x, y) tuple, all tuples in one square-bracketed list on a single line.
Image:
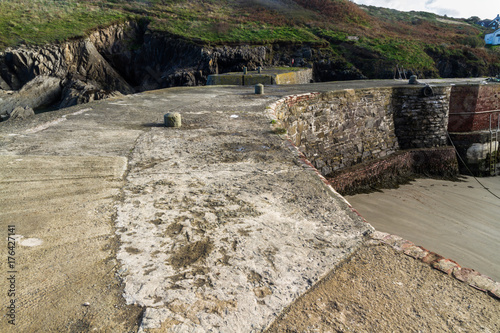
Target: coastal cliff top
[(339, 28)]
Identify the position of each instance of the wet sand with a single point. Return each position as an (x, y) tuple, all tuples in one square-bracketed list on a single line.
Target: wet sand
[(458, 220)]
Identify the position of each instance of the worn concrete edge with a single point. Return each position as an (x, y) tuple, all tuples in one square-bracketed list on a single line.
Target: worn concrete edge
[(448, 266)]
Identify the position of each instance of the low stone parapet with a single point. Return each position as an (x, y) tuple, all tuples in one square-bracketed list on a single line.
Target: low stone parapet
[(267, 77)]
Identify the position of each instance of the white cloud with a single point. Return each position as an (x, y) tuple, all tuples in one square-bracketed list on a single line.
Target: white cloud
[(485, 9)]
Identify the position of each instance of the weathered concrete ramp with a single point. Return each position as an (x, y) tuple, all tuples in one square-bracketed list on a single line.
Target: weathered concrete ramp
[(220, 227), (60, 210), (61, 176)]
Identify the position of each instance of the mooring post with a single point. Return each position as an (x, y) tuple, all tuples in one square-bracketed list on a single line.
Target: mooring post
[(259, 89), (172, 119)]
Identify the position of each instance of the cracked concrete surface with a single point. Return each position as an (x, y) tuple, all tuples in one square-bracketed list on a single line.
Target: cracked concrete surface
[(220, 229)]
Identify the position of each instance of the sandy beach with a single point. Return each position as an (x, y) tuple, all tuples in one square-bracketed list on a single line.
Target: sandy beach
[(458, 220)]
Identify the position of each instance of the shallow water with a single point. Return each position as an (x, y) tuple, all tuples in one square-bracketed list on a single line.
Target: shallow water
[(458, 220)]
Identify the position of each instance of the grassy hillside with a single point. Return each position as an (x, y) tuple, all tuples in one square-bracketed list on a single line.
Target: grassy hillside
[(45, 21), (340, 28)]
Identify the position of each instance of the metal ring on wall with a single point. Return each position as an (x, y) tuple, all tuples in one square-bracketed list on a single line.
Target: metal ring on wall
[(427, 91)]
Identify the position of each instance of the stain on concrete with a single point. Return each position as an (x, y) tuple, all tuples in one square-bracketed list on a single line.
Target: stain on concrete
[(191, 253)]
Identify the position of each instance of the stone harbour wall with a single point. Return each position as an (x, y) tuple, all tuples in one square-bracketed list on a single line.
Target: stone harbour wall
[(473, 110), (268, 77), (340, 129), (302, 76)]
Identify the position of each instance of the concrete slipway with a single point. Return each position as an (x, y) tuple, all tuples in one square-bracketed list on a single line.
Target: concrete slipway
[(122, 224)]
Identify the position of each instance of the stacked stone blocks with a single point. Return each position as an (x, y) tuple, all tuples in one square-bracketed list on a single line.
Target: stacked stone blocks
[(421, 121)]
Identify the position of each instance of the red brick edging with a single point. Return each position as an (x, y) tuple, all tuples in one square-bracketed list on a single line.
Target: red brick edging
[(447, 266)]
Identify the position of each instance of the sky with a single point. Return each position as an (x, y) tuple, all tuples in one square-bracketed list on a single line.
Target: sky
[(485, 9)]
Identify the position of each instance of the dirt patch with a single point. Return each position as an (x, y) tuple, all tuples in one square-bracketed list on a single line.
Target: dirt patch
[(191, 253), (254, 278), (132, 250), (381, 290), (173, 229)]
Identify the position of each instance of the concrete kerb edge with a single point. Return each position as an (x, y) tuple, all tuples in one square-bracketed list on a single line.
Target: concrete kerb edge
[(448, 266)]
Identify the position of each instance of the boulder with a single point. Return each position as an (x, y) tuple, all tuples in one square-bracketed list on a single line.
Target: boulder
[(4, 85), (20, 112), (41, 91)]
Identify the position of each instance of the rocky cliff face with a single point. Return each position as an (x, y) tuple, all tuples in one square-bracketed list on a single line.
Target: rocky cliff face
[(56, 76)]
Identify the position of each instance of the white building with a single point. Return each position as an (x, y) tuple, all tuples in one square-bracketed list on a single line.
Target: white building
[(493, 39)]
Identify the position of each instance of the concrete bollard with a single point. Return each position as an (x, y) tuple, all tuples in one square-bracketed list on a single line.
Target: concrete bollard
[(245, 70), (259, 70), (172, 119), (259, 89)]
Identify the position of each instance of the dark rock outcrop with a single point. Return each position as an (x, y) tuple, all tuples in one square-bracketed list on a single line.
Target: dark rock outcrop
[(42, 91), (56, 76), (462, 63), (331, 70)]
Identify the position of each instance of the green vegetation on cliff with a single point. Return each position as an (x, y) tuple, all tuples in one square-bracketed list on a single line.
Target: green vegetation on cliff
[(373, 39), (46, 21)]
